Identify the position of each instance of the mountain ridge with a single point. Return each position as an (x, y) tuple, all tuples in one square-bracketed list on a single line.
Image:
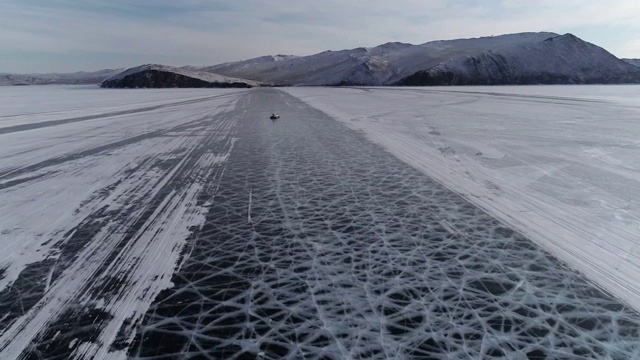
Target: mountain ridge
[(634, 62), (562, 59), (521, 58)]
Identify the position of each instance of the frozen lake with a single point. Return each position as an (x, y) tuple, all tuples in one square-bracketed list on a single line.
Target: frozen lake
[(559, 163), (364, 223)]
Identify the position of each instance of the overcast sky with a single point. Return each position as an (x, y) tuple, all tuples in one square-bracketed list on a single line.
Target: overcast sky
[(71, 35)]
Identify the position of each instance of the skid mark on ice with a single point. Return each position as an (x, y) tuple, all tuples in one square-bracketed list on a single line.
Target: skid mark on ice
[(11, 173), (105, 272), (26, 179), (32, 126), (527, 97)]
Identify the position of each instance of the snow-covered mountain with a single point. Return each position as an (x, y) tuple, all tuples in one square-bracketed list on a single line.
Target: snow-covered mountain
[(635, 62), (248, 64), (522, 58), (356, 66), (563, 59), (81, 77), (161, 76)]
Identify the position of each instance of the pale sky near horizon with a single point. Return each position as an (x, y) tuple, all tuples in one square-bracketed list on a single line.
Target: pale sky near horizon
[(73, 35)]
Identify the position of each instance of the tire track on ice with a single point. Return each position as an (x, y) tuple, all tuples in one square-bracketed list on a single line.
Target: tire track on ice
[(32, 126), (15, 172), (111, 266), (79, 168)]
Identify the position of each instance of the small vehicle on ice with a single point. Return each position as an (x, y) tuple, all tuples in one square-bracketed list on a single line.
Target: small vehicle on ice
[(275, 116)]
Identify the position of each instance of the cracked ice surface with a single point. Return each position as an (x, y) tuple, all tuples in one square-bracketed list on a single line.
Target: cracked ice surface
[(185, 224), (559, 163), (321, 245)]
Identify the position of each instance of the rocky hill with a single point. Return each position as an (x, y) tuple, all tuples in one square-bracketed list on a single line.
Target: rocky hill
[(160, 76), (563, 59), (635, 62)]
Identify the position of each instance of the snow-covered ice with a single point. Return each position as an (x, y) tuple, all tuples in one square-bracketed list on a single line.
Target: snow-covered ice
[(156, 224), (559, 163), (99, 191)]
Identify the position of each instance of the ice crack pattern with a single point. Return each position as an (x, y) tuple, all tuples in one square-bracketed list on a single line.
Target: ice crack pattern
[(321, 245)]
